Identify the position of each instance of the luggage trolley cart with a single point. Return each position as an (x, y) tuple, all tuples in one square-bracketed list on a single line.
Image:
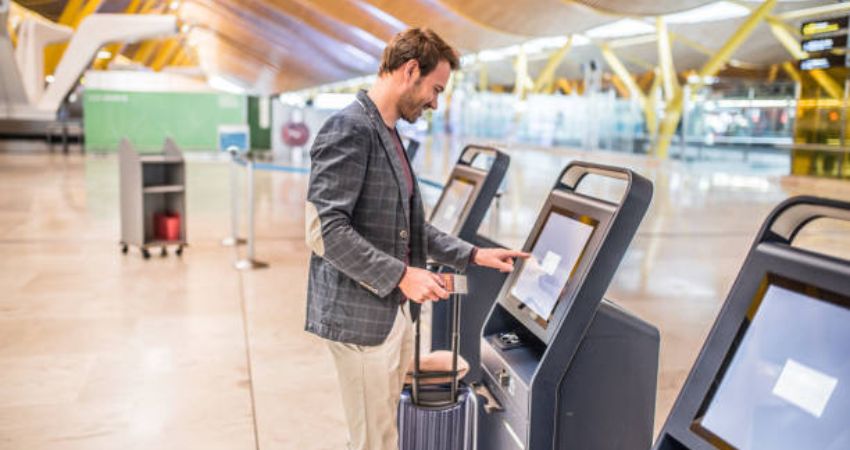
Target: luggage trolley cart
[(774, 372), (562, 367), (152, 185)]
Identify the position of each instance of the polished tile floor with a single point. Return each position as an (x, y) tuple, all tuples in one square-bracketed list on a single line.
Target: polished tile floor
[(100, 350)]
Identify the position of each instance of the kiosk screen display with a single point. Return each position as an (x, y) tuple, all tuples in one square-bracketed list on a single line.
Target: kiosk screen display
[(452, 204), (554, 257), (787, 384)]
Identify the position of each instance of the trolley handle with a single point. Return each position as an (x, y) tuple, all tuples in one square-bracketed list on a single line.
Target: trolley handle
[(786, 220)]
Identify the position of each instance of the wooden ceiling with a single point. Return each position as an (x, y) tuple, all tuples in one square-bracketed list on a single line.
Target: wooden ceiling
[(279, 45)]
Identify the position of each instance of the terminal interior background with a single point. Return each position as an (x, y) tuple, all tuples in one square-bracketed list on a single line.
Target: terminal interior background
[(711, 100)]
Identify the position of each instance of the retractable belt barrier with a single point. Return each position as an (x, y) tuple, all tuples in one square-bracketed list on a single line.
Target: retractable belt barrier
[(246, 160)]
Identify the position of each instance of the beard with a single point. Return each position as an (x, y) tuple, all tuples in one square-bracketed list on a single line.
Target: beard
[(409, 107)]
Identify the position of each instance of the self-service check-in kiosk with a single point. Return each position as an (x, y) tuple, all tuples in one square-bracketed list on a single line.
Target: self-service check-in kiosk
[(463, 204), (774, 372), (563, 368)]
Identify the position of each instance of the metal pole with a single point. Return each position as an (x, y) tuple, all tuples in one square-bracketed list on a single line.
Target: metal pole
[(234, 238), (249, 262), (686, 97)]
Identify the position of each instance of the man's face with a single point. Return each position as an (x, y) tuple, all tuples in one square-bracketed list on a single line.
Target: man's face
[(423, 92)]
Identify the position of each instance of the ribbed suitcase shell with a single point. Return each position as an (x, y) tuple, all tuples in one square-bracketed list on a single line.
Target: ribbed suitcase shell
[(447, 428)]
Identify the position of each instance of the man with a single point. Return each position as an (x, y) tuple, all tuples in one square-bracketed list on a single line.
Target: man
[(370, 241)]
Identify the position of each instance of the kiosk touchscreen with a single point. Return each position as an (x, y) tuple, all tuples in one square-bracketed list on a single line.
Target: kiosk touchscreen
[(563, 368), (453, 203), (469, 191), (555, 255), (775, 370)]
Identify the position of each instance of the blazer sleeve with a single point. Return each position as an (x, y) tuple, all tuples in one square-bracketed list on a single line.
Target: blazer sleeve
[(446, 249), (339, 161)]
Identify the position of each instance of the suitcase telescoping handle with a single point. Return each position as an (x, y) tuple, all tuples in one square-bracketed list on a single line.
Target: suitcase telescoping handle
[(792, 215), (436, 397)]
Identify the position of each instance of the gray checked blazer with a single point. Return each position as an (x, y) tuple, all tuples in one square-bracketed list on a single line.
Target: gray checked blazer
[(359, 223)]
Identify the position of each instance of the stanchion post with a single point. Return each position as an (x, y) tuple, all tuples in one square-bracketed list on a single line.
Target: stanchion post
[(234, 238), (249, 262)]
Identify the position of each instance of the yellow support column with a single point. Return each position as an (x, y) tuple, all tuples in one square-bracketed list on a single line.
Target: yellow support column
[(483, 82), (72, 8), (115, 48), (145, 51), (665, 59), (179, 57), (673, 112), (547, 75), (74, 13), (13, 35), (523, 81), (650, 108), (621, 71), (792, 71), (565, 86), (620, 87), (824, 11), (694, 45), (165, 53), (772, 73)]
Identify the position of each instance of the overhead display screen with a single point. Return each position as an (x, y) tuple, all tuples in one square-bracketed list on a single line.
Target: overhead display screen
[(823, 26), (824, 62), (787, 384), (554, 257), (822, 44), (449, 210)]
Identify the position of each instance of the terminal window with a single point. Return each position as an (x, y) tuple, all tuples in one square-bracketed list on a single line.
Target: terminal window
[(786, 384), (554, 257), (451, 206)]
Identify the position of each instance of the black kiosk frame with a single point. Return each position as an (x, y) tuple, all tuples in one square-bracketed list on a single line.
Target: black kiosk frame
[(480, 187), (724, 403), (468, 219), (584, 375)]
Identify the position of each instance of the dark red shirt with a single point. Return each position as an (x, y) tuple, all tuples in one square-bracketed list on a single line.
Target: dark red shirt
[(405, 164)]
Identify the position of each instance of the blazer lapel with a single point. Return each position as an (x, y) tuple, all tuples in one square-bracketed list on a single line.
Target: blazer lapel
[(388, 143)]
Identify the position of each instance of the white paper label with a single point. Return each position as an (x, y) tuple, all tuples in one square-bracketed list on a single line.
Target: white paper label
[(804, 387), (550, 262)]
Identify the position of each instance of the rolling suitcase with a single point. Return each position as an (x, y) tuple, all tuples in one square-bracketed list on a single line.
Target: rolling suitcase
[(438, 416)]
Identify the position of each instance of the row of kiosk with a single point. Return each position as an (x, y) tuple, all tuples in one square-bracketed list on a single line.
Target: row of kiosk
[(557, 366)]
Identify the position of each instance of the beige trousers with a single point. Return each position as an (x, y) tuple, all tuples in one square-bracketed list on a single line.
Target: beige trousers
[(371, 380)]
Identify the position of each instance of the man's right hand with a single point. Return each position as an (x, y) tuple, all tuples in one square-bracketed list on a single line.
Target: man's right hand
[(420, 285)]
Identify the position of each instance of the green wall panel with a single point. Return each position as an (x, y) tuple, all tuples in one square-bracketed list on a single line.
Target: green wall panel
[(261, 138), (147, 118)]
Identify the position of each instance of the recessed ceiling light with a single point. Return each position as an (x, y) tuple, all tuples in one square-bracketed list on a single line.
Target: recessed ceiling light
[(620, 28), (709, 13)]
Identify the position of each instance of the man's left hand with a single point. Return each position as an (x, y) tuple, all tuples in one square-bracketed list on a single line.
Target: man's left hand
[(498, 258)]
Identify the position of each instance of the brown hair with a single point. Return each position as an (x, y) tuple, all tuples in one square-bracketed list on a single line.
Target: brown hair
[(421, 44)]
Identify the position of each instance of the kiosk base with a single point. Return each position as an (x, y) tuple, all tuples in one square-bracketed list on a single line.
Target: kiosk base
[(606, 399)]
